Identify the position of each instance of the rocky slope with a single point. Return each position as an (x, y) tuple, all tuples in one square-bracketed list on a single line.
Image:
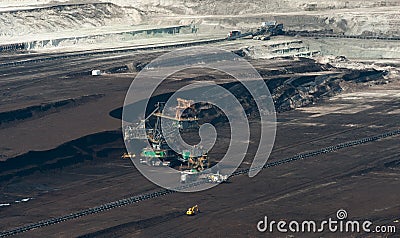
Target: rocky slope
[(65, 17)]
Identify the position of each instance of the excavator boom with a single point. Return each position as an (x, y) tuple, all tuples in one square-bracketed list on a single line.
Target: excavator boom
[(192, 210)]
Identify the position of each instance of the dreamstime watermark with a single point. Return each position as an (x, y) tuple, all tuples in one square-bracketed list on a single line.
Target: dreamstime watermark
[(341, 224), (152, 77)]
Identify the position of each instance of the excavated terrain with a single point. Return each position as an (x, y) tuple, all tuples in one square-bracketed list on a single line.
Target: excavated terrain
[(88, 171), (67, 17), (60, 127)]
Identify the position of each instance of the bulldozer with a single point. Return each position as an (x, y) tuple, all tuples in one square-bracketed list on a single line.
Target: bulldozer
[(192, 210)]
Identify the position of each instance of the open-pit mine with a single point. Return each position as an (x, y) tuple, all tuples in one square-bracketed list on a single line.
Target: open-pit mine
[(71, 157)]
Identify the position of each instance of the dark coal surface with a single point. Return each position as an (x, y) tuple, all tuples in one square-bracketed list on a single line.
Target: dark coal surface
[(88, 171)]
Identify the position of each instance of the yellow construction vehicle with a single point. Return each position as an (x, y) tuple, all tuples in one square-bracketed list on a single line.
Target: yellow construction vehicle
[(192, 210), (128, 156)]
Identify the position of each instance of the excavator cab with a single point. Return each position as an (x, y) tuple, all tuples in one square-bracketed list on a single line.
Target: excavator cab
[(192, 210)]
